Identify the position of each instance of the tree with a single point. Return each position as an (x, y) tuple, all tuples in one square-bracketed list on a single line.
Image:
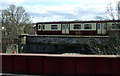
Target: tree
[(114, 13), (105, 46), (110, 45), (14, 20)]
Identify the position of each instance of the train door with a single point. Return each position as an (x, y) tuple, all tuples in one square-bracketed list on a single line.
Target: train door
[(41, 27), (101, 28), (65, 28)]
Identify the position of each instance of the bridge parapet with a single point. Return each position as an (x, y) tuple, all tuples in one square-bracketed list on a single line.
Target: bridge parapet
[(46, 64)]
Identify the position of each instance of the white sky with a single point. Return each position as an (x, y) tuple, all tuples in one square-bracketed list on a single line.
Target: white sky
[(58, 10)]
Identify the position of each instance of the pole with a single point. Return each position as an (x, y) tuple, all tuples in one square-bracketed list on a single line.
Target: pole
[(0, 31), (119, 10), (0, 41)]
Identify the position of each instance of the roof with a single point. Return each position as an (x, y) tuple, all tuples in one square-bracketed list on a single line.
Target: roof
[(94, 21)]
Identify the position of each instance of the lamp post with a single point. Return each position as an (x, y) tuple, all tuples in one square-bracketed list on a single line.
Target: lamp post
[(0, 31), (0, 41), (119, 10)]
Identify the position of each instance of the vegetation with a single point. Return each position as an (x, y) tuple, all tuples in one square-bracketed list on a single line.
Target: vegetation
[(105, 46), (109, 45), (14, 20)]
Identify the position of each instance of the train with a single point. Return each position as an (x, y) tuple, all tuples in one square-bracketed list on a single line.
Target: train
[(98, 27)]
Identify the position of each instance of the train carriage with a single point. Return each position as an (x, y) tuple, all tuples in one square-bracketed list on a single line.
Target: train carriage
[(77, 27)]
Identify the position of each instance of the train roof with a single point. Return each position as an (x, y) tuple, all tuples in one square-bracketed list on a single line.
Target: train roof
[(94, 21)]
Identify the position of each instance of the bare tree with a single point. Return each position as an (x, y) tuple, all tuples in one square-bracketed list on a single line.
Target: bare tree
[(14, 20), (105, 46), (110, 45), (114, 13)]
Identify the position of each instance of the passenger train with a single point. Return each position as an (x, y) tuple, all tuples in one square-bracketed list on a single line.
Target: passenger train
[(77, 27)]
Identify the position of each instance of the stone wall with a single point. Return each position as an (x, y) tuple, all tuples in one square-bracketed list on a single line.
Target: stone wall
[(41, 44)]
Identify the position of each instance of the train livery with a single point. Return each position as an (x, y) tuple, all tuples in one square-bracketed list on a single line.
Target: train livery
[(77, 27)]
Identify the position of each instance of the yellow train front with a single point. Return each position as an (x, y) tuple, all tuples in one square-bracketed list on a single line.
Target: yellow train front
[(77, 27)]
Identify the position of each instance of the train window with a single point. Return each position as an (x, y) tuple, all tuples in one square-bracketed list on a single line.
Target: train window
[(114, 26), (87, 26), (99, 25), (53, 26), (67, 26), (43, 26), (39, 27), (104, 26), (77, 26)]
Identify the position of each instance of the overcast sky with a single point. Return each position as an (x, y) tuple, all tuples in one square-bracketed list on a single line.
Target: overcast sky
[(61, 10)]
